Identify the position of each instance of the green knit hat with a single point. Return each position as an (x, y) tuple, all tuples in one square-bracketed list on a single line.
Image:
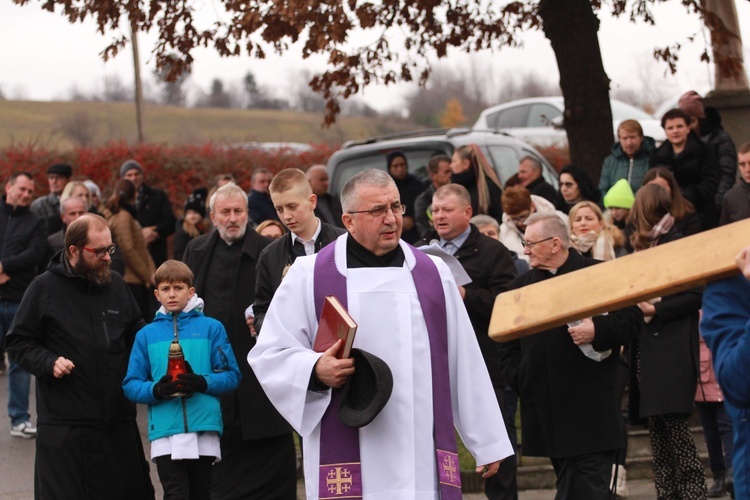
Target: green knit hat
[(619, 196)]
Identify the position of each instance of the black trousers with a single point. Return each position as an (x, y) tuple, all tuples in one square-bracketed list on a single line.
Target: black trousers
[(185, 479), (89, 463), (255, 469), (586, 477), (503, 486)]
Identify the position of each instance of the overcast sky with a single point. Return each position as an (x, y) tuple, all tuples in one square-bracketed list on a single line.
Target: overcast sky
[(44, 56)]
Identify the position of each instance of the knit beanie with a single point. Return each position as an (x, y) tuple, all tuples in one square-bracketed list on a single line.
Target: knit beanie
[(692, 103), (620, 195), (130, 165)]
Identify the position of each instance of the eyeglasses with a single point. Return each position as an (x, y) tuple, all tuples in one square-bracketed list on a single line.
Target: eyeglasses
[(568, 184), (531, 244), (101, 252), (396, 208), (520, 217)]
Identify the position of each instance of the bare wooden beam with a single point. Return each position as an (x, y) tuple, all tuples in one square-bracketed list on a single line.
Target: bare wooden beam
[(659, 271)]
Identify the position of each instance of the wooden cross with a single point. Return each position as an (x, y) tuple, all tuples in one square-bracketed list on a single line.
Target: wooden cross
[(662, 270)]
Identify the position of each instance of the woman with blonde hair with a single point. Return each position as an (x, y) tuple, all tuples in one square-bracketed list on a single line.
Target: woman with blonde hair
[(271, 228), (472, 170), (590, 233), (664, 360), (122, 219), (77, 189)]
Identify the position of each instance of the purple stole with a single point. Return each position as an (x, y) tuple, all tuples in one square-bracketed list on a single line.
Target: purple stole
[(340, 471)]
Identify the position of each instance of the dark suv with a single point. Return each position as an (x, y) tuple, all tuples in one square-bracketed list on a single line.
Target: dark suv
[(503, 151)]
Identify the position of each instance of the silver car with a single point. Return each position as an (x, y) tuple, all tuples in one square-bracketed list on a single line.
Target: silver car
[(538, 120)]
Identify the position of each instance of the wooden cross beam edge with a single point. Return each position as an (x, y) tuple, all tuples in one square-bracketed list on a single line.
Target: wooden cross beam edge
[(659, 271)]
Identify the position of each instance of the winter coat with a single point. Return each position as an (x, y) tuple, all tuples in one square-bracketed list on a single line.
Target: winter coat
[(713, 134), (570, 405), (668, 347), (260, 207), (206, 347), (618, 165), (423, 219), (543, 189), (408, 189), (271, 263), (708, 388), (258, 418), (155, 209), (23, 247), (491, 269), (736, 204), (139, 265), (468, 179), (694, 169), (726, 329), (62, 314)]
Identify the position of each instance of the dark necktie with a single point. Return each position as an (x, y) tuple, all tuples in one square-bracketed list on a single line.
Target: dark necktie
[(299, 249)]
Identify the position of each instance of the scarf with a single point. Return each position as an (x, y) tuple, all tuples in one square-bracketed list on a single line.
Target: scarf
[(661, 227), (603, 248)]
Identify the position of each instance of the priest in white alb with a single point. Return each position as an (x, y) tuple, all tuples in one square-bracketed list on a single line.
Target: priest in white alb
[(411, 316)]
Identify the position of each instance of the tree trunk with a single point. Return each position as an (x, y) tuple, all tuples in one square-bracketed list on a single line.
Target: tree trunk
[(571, 27)]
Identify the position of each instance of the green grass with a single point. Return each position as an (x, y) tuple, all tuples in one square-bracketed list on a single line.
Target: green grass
[(43, 123)]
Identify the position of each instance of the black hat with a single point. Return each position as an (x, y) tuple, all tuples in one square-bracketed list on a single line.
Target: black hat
[(197, 201), (60, 169), (367, 391)]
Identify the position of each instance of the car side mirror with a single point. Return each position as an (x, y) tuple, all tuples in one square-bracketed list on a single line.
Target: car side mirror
[(557, 122)]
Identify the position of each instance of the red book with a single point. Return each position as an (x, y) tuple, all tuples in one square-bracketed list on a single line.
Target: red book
[(335, 323)]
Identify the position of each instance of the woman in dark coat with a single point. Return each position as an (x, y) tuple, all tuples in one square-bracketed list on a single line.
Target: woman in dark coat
[(686, 221), (693, 164), (665, 361), (472, 170), (576, 186)]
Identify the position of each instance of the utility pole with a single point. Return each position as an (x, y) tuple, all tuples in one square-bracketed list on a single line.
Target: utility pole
[(138, 88)]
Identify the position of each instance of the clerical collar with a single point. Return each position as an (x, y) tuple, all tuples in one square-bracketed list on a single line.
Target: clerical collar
[(459, 240), (309, 244), (358, 256)]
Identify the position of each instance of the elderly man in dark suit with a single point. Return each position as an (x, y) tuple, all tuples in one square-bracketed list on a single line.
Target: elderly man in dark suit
[(257, 448)]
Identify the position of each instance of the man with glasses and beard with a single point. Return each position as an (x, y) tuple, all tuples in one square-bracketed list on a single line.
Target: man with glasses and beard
[(74, 330)]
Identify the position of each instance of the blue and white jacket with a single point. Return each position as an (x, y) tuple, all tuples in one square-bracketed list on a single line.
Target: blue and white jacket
[(206, 347)]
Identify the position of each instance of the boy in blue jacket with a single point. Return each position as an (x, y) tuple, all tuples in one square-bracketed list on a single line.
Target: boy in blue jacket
[(184, 416)]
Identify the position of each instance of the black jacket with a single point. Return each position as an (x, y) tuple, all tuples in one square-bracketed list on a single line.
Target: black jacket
[(23, 247), (271, 263), (542, 188), (695, 170), (569, 402), (408, 189), (62, 314), (713, 134), (491, 269), (249, 404), (155, 209), (328, 209), (260, 207), (669, 355)]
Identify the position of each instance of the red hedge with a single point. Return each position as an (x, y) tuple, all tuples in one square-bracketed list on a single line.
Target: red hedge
[(176, 169)]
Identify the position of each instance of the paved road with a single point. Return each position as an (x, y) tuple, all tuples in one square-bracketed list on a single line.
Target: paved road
[(17, 463)]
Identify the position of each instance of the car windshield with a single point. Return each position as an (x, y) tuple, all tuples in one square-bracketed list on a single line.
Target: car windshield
[(416, 158)]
